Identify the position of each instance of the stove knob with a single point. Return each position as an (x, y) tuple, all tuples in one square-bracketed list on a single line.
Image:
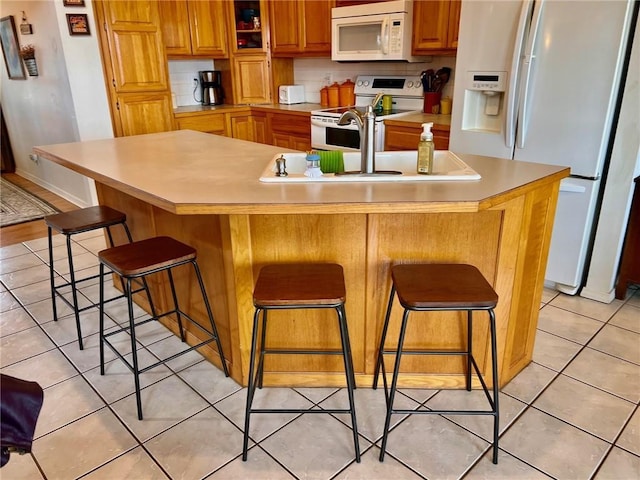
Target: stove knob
[(366, 83), (359, 83), (409, 84)]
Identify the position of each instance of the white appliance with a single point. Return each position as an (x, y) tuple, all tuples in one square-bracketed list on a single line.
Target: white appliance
[(539, 82), (373, 31), (290, 94), (407, 97)]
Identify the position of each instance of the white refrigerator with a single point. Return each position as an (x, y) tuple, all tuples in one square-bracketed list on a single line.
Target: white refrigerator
[(539, 81)]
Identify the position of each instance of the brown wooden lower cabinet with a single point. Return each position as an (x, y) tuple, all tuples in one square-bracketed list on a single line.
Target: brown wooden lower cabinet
[(286, 130), (407, 137)]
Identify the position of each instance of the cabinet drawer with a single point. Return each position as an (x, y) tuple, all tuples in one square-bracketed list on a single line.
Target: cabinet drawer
[(214, 123), (291, 124), (405, 138)]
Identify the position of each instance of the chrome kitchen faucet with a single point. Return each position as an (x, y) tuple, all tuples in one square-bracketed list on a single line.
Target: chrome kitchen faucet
[(366, 126)]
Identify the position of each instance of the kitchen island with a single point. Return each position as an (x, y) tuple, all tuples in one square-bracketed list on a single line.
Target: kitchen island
[(204, 190)]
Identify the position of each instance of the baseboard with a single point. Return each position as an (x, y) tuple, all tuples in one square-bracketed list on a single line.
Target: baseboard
[(600, 296), (52, 188)]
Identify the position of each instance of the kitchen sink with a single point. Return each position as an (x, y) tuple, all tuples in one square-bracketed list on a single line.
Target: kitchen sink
[(396, 166)]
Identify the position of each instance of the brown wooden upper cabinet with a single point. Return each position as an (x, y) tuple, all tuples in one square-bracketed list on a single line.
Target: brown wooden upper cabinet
[(194, 27), (435, 26), (135, 68), (301, 27)]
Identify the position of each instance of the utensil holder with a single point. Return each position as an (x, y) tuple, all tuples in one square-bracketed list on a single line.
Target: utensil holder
[(431, 102)]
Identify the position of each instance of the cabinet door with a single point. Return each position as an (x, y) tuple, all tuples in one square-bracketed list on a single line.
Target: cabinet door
[(286, 26), (247, 37), (260, 128), (430, 25), (281, 140), (454, 23), (208, 33), (174, 21), (144, 113), (251, 79), (317, 26), (242, 126), (407, 138), (137, 56)]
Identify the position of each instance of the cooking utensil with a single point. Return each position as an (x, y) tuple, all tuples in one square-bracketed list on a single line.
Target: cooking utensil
[(441, 78), (426, 78)]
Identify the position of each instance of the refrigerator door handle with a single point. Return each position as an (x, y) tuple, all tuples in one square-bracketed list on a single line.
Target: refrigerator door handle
[(527, 64), (510, 118)]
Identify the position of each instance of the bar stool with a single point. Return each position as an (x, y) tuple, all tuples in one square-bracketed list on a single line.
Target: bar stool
[(436, 288), (137, 260), (298, 286), (71, 223)]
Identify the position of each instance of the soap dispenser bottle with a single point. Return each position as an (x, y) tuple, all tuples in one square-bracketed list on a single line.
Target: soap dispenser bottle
[(425, 150)]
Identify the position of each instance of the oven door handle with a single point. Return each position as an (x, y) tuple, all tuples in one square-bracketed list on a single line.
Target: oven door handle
[(319, 123)]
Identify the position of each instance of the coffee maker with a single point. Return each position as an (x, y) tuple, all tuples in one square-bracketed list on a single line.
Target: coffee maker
[(211, 87)]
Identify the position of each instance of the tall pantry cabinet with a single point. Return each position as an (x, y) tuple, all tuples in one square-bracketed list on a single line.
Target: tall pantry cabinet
[(135, 66)]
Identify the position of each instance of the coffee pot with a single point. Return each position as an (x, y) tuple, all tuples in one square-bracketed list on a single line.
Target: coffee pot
[(211, 87)]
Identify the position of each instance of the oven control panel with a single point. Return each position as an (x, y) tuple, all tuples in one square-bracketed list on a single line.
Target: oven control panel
[(399, 85)]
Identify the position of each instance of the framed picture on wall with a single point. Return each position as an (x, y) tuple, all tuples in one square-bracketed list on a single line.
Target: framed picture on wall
[(10, 49), (78, 24)]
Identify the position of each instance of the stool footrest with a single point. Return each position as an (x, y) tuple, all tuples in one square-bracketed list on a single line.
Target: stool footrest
[(159, 362), (298, 410), (302, 352), (427, 352), (446, 412)]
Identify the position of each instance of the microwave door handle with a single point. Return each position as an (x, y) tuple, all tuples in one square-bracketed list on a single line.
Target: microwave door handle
[(385, 35)]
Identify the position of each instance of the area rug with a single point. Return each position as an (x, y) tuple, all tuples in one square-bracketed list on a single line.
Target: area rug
[(19, 206)]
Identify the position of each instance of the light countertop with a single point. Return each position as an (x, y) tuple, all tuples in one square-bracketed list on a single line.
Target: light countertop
[(184, 171)]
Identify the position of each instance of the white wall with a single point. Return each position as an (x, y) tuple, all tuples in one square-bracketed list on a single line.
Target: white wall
[(66, 102)]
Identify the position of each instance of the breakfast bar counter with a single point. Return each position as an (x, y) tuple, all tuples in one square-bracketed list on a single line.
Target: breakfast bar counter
[(204, 190)]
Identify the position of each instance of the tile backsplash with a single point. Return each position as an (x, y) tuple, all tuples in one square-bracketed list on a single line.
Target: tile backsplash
[(184, 90), (313, 73)]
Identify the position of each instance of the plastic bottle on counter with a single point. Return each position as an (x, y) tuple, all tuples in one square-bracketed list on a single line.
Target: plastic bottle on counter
[(347, 97), (334, 95), (425, 150), (313, 165), (324, 96)]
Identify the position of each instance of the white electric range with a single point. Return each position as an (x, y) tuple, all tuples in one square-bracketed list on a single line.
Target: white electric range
[(407, 94)]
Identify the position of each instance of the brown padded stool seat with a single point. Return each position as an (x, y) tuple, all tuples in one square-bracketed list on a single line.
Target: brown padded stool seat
[(136, 260), (85, 219), (146, 256), (298, 286), (71, 223), (440, 287)]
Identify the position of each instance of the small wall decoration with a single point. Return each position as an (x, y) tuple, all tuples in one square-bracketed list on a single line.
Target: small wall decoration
[(78, 24), (73, 3), (25, 27), (28, 54), (10, 49)]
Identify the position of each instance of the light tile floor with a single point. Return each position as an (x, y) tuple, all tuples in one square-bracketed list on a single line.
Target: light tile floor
[(571, 414)]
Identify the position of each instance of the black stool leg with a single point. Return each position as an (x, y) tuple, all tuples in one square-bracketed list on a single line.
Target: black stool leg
[(349, 373), (469, 347), (175, 304), (51, 275), (134, 350), (263, 347), (380, 360), (214, 330), (251, 383), (101, 316), (494, 365), (394, 383), (74, 294)]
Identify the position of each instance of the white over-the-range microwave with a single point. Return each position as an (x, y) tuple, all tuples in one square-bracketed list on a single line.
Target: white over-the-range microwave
[(372, 32)]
